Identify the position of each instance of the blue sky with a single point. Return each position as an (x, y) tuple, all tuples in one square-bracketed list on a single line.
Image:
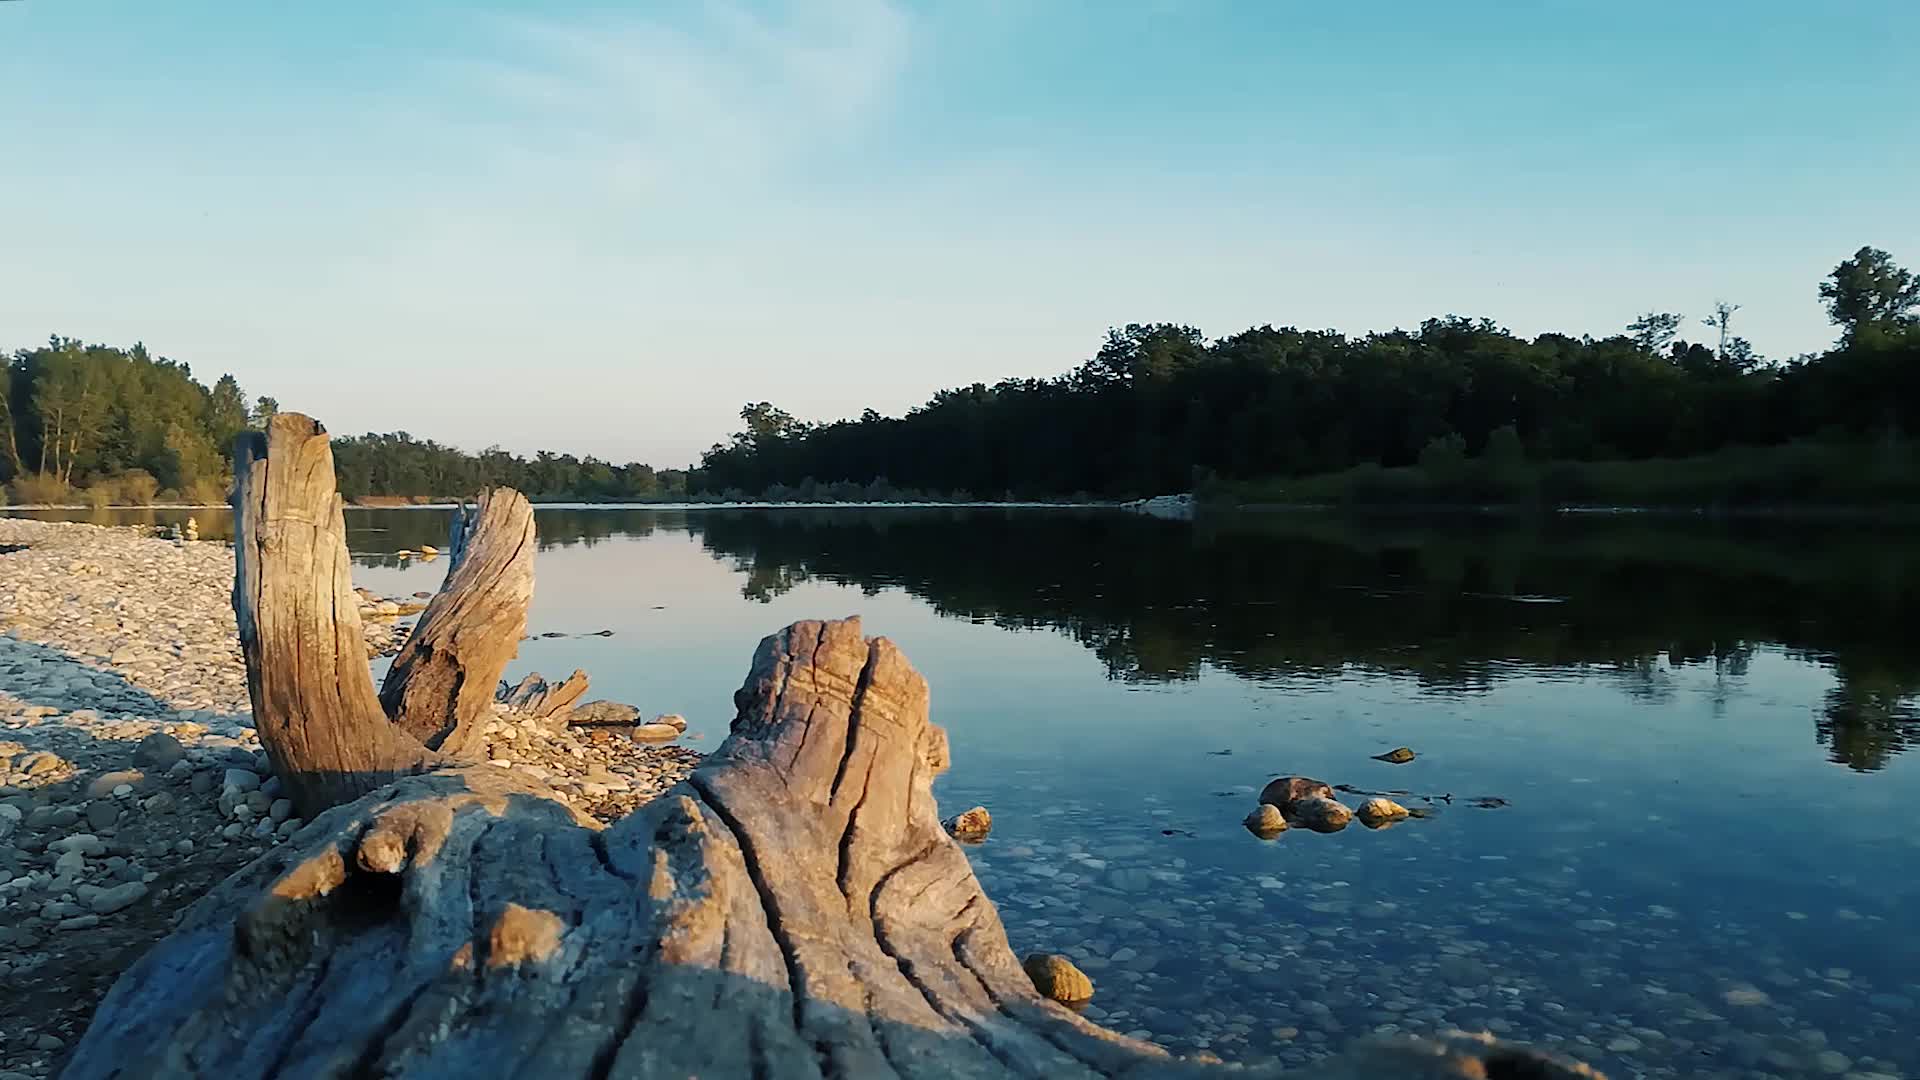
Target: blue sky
[(603, 227)]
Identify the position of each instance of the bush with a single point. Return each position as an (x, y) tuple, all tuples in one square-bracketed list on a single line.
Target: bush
[(1444, 457), (40, 488), (205, 492), (102, 493), (138, 487)]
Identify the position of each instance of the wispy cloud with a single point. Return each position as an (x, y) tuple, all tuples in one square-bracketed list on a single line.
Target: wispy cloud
[(728, 95)]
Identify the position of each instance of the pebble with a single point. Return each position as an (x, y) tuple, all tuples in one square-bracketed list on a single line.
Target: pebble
[(241, 780), (159, 751), (108, 901)]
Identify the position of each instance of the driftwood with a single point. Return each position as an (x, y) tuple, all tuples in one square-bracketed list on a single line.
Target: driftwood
[(793, 909), (539, 698), (330, 737), (299, 619), (441, 685)]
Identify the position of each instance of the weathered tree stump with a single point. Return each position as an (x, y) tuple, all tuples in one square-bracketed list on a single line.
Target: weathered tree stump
[(794, 909), (313, 700), (442, 683)]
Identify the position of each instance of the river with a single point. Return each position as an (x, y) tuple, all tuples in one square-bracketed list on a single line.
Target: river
[(1705, 862)]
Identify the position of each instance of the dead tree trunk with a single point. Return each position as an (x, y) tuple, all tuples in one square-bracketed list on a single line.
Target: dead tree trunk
[(331, 738), (313, 700), (793, 909), (444, 679)]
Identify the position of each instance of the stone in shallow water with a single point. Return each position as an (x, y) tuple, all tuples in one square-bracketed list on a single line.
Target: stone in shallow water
[(970, 825), (1056, 977), (1320, 814), (1397, 756), (1378, 813), (1266, 822), (1287, 790)]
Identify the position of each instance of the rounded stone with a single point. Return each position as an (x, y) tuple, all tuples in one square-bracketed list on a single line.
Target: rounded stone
[(1056, 977), (1266, 822), (1287, 790), (1320, 814), (240, 780), (158, 751), (1378, 812)]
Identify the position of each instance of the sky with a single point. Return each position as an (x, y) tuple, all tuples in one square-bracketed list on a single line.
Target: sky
[(602, 227)]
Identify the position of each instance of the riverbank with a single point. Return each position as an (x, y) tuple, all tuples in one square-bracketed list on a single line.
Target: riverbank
[(131, 779), (1807, 476)]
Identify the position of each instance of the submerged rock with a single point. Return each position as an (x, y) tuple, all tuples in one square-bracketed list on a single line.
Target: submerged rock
[(970, 825), (1056, 977), (1320, 814), (1397, 756), (1379, 813), (1266, 822)]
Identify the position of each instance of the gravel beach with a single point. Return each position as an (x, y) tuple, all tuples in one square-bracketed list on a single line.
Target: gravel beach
[(131, 779)]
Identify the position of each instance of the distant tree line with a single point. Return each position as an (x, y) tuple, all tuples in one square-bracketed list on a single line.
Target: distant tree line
[(112, 426), (1161, 408), (116, 425), (1158, 408), (399, 464)]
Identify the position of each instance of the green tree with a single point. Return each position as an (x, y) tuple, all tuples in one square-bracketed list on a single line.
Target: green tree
[(1722, 321), (1654, 331), (226, 414), (1869, 293)]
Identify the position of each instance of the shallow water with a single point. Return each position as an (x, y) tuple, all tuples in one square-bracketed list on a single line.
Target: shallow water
[(1707, 864)]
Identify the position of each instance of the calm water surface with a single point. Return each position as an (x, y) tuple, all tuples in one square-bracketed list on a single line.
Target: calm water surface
[(1708, 864)]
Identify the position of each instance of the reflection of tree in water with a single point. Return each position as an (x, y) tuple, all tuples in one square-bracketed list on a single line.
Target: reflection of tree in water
[(375, 534), (767, 580), (1869, 716), (1458, 607)]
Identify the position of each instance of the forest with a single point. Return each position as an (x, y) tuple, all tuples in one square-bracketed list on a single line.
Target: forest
[(116, 426), (111, 426), (1458, 409)]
